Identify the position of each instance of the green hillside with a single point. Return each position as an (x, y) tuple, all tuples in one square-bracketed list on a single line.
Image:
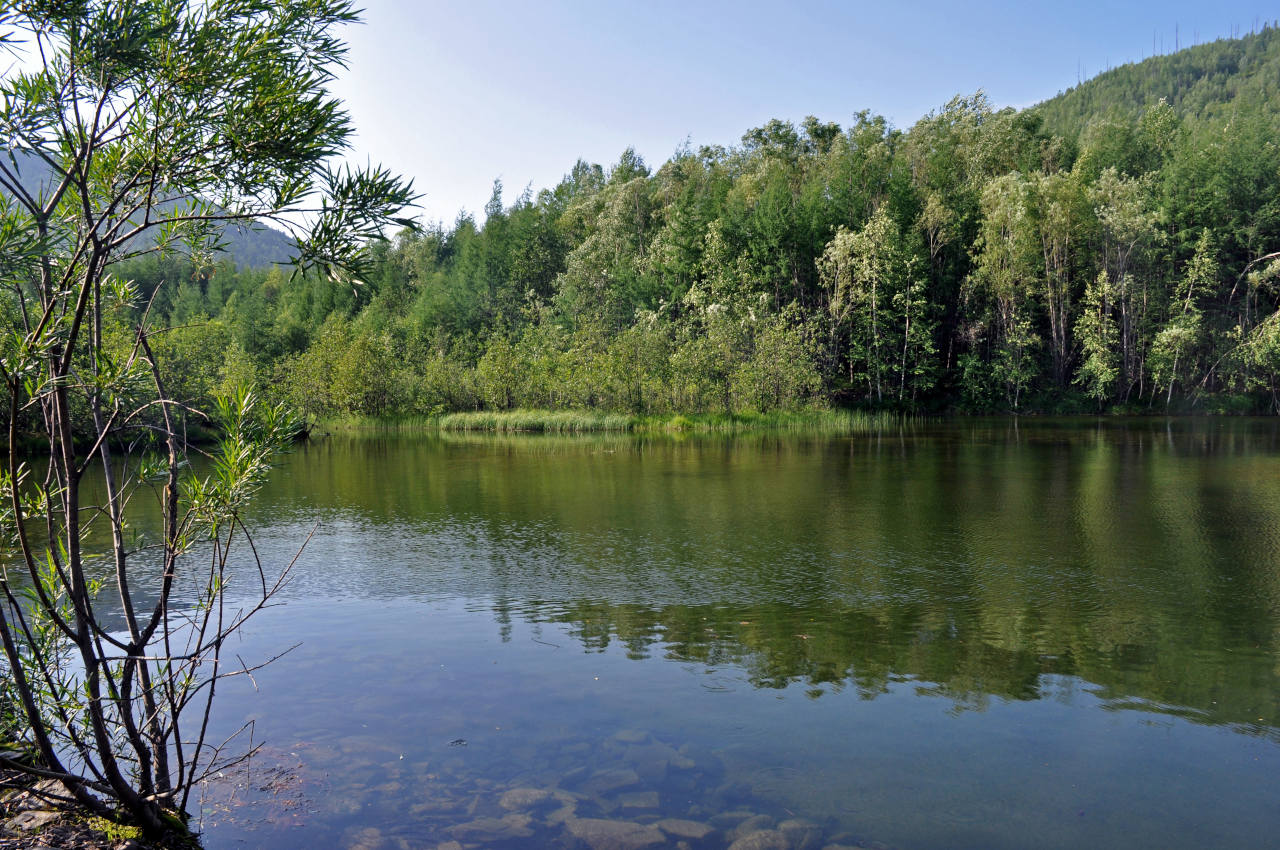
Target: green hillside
[(1205, 83), (255, 247)]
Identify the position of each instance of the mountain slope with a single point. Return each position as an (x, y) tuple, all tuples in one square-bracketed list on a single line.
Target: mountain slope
[(251, 247), (1205, 83)]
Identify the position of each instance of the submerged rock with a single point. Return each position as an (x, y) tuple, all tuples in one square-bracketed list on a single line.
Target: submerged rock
[(344, 805), (434, 804), (494, 829), (614, 779), (639, 800), (574, 776), (614, 834), (651, 761), (801, 834), (568, 808), (765, 839), (724, 820), (523, 799), (704, 759), (678, 828), (368, 838), (750, 825)]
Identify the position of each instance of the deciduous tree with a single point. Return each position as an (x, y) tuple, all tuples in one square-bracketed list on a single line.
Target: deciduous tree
[(154, 124)]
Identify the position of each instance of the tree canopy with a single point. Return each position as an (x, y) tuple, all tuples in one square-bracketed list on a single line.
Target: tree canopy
[(155, 123), (982, 259)]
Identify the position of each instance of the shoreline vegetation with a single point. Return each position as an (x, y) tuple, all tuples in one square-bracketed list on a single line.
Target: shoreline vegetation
[(1115, 249), (138, 130), (827, 422)]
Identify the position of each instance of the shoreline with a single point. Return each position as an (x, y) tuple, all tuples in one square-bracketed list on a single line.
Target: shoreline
[(34, 813), (815, 422), (832, 422)]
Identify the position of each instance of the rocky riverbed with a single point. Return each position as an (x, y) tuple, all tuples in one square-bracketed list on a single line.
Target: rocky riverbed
[(628, 791)]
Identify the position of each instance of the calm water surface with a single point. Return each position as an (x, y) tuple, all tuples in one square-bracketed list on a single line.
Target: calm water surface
[(984, 634)]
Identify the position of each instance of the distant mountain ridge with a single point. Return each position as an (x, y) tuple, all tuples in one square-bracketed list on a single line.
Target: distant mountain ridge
[(257, 247), (1203, 83), (254, 247)]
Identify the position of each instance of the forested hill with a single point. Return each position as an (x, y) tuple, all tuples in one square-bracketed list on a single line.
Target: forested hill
[(1080, 256), (251, 247), (257, 247), (1205, 83)]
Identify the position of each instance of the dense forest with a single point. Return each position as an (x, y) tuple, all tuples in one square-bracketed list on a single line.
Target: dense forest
[(1113, 249)]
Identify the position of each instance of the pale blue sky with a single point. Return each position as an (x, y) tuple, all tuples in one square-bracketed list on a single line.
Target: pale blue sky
[(455, 94)]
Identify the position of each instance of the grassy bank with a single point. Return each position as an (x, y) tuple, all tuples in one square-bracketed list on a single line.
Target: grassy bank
[(539, 421), (831, 422)]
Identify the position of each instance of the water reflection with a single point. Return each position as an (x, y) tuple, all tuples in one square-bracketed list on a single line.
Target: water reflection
[(1141, 557), (969, 660)]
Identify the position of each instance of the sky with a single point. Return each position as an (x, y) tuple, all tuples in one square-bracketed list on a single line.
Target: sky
[(458, 94)]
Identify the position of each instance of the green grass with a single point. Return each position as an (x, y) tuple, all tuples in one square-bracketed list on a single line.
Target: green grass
[(359, 424), (541, 421), (830, 422), (115, 832)]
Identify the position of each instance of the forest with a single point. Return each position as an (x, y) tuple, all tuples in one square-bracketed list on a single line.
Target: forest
[(1114, 249)]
